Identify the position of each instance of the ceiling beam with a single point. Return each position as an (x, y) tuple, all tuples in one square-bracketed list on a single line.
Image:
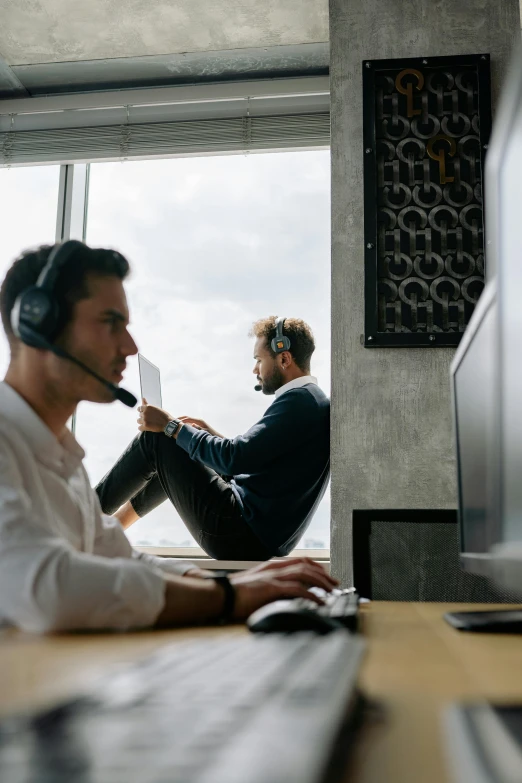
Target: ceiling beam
[(169, 70), (194, 93), (10, 84)]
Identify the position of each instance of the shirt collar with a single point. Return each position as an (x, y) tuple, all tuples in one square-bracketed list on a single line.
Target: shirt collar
[(296, 383), (63, 456)]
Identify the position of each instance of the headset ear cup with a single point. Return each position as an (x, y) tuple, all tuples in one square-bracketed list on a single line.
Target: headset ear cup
[(34, 314), (36, 317), (280, 342), (33, 339)]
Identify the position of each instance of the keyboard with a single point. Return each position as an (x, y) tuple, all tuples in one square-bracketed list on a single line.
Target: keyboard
[(246, 709), (485, 742), (340, 605)]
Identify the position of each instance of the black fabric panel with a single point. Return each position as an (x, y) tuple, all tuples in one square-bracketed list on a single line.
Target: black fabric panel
[(416, 560)]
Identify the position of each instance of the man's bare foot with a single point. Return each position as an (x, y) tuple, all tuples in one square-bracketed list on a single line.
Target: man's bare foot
[(126, 515)]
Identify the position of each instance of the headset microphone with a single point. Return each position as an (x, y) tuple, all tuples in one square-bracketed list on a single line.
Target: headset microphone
[(122, 395), (258, 387)]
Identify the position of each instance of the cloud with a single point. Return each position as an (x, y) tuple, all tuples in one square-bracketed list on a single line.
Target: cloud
[(236, 223)]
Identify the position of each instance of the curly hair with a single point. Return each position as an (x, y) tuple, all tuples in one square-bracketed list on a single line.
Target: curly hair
[(302, 344)]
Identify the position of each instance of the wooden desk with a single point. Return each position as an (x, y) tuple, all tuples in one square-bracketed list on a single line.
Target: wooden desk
[(415, 665)]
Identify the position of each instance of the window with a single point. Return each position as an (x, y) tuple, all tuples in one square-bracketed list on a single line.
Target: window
[(214, 244), (28, 203)]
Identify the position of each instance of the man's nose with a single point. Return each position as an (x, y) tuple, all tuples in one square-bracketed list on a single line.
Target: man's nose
[(130, 348)]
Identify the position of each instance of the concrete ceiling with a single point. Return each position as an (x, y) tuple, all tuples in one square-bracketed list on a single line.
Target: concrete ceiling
[(37, 31), (49, 46)]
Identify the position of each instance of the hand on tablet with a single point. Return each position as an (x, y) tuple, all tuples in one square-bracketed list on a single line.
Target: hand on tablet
[(152, 419)]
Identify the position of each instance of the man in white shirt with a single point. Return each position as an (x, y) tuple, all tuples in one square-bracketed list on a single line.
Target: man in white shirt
[(63, 564)]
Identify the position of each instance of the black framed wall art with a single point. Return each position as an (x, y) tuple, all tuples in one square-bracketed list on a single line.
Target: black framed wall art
[(427, 123)]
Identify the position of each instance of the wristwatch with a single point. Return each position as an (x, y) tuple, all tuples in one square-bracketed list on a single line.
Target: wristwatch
[(172, 427), (230, 595)]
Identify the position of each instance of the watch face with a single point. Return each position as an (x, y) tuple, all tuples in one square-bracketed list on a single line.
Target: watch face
[(171, 427)]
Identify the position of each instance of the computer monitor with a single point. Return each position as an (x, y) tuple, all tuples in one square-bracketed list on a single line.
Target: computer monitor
[(473, 374), (504, 176), (487, 368)]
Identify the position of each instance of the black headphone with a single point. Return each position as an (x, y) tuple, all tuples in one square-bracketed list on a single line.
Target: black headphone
[(36, 316), (280, 342)]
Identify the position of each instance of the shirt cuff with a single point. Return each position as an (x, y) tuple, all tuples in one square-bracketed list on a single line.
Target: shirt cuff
[(141, 593), (185, 436), (169, 565)]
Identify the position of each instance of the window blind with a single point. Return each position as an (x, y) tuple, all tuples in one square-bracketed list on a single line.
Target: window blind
[(160, 139)]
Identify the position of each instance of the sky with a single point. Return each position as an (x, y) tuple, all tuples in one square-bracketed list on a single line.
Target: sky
[(214, 243)]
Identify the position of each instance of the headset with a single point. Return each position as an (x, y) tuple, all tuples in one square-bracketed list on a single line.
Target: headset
[(36, 317), (280, 342)]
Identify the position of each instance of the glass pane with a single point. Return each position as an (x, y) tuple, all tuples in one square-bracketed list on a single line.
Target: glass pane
[(214, 243), (28, 207), (78, 202)]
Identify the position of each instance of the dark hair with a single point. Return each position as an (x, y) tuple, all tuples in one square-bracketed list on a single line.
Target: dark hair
[(302, 344), (71, 285)]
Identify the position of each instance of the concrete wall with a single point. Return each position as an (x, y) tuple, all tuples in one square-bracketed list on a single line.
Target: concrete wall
[(392, 444)]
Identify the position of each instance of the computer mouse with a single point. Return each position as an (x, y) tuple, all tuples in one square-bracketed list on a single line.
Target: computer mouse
[(285, 617)]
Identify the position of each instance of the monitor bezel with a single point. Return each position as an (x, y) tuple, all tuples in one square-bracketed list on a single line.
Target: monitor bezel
[(477, 562), (510, 108), (504, 561)]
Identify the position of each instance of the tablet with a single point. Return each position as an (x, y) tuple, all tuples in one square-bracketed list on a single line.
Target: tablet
[(150, 381)]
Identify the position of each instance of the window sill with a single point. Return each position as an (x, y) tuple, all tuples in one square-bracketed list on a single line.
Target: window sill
[(199, 558)]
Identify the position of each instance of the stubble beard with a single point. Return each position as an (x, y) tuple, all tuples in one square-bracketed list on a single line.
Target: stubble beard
[(273, 382)]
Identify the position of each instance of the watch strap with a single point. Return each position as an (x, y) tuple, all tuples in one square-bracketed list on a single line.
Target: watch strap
[(222, 579)]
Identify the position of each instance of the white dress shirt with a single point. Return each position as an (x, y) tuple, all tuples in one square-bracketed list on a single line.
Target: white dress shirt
[(63, 564), (296, 383)]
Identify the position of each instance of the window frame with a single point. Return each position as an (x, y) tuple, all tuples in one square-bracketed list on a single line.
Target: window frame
[(195, 552), (43, 113)]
